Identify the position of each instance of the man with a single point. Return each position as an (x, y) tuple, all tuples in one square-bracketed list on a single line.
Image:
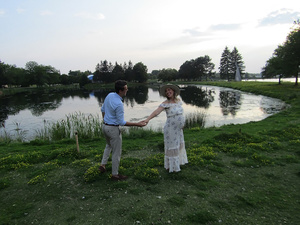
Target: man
[(113, 117)]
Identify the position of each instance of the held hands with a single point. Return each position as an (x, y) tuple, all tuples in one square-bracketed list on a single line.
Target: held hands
[(142, 123)]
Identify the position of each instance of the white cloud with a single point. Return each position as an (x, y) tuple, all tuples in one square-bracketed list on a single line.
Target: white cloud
[(2, 12), (282, 16), (227, 27), (46, 13), (87, 15)]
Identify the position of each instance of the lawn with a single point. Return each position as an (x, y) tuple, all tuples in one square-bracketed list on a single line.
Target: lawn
[(237, 174)]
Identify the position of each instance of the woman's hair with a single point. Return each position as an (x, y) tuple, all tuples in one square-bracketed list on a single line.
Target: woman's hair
[(119, 85)]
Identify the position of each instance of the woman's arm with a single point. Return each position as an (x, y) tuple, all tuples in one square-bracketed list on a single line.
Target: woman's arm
[(154, 114)]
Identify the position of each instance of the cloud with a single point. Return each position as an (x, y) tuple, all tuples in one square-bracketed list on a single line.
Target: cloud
[(195, 32), (87, 15), (282, 16), (20, 10), (46, 13), (225, 27), (2, 12)]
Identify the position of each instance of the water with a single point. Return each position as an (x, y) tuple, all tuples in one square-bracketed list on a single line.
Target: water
[(28, 112)]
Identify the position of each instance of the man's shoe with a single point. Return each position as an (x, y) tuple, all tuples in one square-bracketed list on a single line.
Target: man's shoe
[(102, 169), (119, 177)]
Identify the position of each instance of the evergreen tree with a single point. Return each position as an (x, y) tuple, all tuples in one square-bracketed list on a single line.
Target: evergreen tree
[(225, 64), (228, 63), (236, 60)]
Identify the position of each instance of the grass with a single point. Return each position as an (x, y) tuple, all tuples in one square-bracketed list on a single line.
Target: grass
[(237, 174)]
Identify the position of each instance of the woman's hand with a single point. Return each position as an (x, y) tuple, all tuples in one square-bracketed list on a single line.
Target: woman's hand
[(142, 123)]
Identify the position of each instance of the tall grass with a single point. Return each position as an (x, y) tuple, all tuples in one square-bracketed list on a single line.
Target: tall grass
[(90, 126), (196, 119), (18, 134), (87, 126)]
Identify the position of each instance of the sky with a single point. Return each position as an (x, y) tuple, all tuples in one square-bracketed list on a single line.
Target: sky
[(77, 35)]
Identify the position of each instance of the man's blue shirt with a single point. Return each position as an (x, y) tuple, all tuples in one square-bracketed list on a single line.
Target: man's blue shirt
[(113, 109)]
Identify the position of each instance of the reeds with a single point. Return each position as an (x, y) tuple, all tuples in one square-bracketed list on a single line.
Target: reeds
[(87, 126), (18, 134), (196, 119)]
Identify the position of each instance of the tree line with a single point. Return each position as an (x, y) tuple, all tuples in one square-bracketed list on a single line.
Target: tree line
[(106, 72), (41, 75)]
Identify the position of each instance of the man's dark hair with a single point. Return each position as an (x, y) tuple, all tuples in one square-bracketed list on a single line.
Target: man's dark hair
[(119, 85)]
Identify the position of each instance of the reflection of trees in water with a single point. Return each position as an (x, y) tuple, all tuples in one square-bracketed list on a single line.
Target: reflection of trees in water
[(37, 102), (138, 94), (230, 102), (197, 96)]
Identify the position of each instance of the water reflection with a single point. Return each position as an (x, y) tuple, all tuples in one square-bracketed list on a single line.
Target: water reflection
[(197, 96), (221, 105), (230, 102), (36, 102)]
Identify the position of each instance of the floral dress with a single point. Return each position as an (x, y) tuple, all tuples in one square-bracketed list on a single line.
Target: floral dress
[(175, 153)]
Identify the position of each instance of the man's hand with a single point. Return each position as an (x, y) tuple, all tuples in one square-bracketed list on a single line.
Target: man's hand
[(142, 123)]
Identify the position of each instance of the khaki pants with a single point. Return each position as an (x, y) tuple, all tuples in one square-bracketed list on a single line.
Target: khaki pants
[(113, 144)]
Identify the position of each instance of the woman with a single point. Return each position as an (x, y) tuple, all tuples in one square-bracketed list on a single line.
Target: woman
[(175, 153)]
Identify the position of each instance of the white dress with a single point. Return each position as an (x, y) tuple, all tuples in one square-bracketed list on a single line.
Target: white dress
[(175, 153)]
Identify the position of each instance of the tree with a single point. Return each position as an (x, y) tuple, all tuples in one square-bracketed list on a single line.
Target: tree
[(203, 67), (129, 75), (196, 69), (225, 64), (186, 70), (140, 72), (30, 68), (167, 75), (118, 73), (272, 68), (64, 79), (285, 60), (236, 60), (3, 74), (103, 72), (229, 61)]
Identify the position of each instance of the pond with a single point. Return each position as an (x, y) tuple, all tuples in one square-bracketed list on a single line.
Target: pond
[(29, 112)]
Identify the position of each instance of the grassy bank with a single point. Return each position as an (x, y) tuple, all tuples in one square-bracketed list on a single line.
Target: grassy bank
[(17, 90), (237, 174)]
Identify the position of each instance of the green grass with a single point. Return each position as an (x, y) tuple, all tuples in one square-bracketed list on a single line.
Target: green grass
[(237, 174)]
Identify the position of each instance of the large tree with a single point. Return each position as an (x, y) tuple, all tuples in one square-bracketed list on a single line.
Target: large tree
[(140, 72), (203, 67), (196, 69), (285, 60), (167, 74)]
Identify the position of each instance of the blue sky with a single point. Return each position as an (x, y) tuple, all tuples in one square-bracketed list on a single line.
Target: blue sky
[(76, 35)]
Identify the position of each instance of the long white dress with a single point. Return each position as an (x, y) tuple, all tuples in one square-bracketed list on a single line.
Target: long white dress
[(175, 153)]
